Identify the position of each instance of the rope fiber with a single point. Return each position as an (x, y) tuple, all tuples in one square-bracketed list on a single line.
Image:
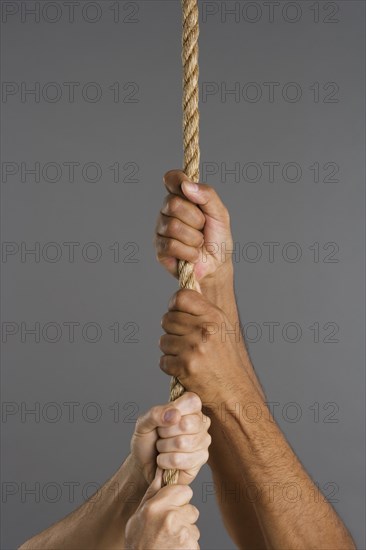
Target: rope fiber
[(190, 33)]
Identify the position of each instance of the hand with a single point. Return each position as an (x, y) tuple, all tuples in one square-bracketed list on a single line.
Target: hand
[(193, 225), (164, 520), (177, 431), (199, 349)]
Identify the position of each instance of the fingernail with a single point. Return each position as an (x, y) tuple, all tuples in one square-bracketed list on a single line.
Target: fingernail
[(193, 187), (169, 415)]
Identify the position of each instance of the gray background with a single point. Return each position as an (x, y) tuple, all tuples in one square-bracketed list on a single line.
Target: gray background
[(147, 133)]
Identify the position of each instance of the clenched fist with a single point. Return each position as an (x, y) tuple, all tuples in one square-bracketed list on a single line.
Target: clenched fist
[(164, 520), (200, 347), (193, 225), (173, 436)]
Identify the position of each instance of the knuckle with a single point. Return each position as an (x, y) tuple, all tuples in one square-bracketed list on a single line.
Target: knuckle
[(170, 246), (201, 347), (159, 246), (162, 246), (183, 535), (158, 225), (206, 421), (180, 298), (195, 534), (148, 510), (187, 424), (162, 340), (182, 443), (176, 460), (192, 364), (165, 364), (164, 320), (187, 492), (170, 520), (180, 491), (173, 226), (194, 400), (173, 203)]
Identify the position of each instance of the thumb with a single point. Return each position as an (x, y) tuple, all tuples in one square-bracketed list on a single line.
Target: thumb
[(157, 417), (207, 199), (154, 486)]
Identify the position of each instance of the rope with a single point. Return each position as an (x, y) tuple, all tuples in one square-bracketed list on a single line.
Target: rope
[(191, 153)]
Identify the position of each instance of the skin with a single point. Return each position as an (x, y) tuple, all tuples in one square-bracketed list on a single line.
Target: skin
[(164, 519), (279, 505), (109, 521)]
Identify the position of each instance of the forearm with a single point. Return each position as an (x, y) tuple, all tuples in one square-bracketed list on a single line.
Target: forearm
[(220, 291), (100, 523), (291, 511), (237, 509), (232, 492)]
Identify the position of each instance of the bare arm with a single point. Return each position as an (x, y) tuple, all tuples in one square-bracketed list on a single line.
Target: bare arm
[(210, 364), (170, 436), (232, 490), (101, 521), (201, 234), (290, 509)]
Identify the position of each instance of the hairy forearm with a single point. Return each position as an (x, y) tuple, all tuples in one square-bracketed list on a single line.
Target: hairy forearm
[(100, 523), (255, 459), (290, 510), (232, 492), (231, 489)]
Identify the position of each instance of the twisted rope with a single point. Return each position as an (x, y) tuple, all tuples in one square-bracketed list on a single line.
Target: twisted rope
[(191, 153)]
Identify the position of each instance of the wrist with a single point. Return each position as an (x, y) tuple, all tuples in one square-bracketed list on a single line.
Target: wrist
[(218, 288), (132, 471), (238, 400)]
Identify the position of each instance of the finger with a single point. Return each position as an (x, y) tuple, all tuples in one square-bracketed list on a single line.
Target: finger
[(189, 423), (189, 301), (176, 229), (161, 415), (171, 248), (195, 535), (190, 514), (173, 180), (171, 365), (172, 495), (182, 209), (207, 199), (200, 194), (188, 403), (186, 443), (182, 461), (177, 322), (171, 344)]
